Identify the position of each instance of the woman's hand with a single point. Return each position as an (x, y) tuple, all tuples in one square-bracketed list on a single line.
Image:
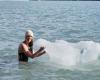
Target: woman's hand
[(41, 48), (41, 53)]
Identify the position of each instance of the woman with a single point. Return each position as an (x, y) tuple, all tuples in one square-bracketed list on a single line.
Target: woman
[(25, 48)]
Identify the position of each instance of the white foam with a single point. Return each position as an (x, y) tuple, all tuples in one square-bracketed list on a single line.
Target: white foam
[(66, 53)]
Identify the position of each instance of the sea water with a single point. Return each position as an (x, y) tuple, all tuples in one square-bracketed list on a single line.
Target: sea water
[(68, 29)]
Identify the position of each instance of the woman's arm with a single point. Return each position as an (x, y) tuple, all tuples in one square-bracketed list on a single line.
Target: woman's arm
[(41, 53), (31, 54)]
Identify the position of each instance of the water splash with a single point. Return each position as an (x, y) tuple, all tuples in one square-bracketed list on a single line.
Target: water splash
[(68, 54)]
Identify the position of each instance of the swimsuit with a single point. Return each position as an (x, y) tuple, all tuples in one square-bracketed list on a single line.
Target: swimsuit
[(22, 56)]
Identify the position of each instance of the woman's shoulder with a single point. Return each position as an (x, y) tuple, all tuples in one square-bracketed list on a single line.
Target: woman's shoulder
[(23, 44), (20, 47)]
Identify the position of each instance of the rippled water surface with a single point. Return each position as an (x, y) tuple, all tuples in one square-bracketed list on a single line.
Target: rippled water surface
[(68, 21)]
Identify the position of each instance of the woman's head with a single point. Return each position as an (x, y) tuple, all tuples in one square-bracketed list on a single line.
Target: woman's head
[(29, 33), (29, 36)]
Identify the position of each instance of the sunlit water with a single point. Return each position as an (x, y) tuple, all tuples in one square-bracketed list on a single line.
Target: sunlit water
[(69, 30)]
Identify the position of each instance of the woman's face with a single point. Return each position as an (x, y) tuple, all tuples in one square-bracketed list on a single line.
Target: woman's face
[(29, 38)]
